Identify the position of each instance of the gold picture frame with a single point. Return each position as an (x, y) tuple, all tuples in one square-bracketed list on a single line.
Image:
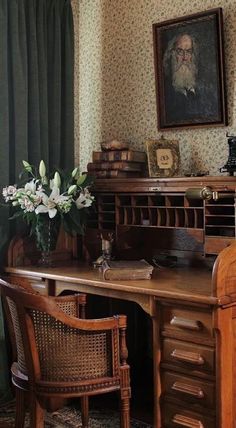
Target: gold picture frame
[(163, 158)]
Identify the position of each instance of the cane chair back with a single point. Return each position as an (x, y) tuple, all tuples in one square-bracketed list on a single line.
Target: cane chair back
[(72, 305), (67, 356)]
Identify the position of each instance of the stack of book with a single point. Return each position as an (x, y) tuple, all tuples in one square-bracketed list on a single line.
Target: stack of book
[(117, 163)]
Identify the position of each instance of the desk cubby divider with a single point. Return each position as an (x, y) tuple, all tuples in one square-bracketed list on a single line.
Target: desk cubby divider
[(128, 218), (145, 216), (161, 216), (179, 217), (153, 216), (170, 217), (136, 216), (120, 218), (199, 219)]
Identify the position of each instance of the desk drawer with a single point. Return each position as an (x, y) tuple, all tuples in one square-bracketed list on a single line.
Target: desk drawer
[(37, 284), (174, 416), (190, 356), (187, 322), (40, 286), (189, 390)]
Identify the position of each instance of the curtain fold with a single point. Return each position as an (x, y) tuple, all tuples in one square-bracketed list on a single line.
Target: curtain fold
[(36, 87)]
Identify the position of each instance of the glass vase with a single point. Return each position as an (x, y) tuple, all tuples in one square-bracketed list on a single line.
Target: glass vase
[(46, 233)]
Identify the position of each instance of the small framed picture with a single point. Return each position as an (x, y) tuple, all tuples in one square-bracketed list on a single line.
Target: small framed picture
[(189, 71), (163, 158)]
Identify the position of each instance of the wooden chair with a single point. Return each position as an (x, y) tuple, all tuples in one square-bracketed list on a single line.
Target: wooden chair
[(72, 305), (60, 355)]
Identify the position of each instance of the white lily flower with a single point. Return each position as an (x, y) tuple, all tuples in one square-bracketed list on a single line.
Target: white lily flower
[(50, 203), (84, 200), (30, 186)]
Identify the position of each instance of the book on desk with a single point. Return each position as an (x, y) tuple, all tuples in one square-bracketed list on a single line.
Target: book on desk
[(126, 269)]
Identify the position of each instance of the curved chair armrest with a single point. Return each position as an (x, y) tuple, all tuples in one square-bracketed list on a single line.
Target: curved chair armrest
[(49, 306)]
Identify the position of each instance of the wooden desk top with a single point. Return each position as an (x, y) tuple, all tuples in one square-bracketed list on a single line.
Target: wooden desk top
[(190, 284)]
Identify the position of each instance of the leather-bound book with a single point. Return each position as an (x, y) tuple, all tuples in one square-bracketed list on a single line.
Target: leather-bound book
[(120, 155), (115, 173), (119, 165), (126, 269)]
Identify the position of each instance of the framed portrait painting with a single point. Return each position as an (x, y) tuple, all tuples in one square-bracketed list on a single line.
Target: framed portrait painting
[(189, 71)]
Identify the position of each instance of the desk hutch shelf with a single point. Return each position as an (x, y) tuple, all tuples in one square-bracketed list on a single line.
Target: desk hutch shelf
[(161, 205)]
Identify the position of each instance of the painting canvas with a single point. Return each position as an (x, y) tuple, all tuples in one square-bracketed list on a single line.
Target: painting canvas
[(189, 71)]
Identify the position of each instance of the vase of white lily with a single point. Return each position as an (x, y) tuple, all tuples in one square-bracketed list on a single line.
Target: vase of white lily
[(47, 204)]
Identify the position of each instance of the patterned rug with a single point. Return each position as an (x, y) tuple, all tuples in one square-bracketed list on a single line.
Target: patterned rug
[(69, 417)]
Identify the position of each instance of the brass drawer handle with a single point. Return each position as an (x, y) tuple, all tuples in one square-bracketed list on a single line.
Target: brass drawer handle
[(154, 189), (192, 390), (187, 422), (189, 357), (186, 323)]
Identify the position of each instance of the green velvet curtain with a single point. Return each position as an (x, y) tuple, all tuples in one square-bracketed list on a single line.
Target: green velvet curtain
[(36, 95)]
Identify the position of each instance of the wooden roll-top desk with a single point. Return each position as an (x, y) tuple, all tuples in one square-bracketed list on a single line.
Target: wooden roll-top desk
[(190, 237)]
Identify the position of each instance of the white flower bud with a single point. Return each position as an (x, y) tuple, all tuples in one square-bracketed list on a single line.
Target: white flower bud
[(72, 189), (57, 179), (27, 166), (42, 169), (81, 179), (74, 172)]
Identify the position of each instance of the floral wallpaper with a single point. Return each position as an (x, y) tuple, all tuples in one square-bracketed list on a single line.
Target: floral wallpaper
[(115, 83)]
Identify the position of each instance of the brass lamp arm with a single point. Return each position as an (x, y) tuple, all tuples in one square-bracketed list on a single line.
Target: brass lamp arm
[(205, 193)]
